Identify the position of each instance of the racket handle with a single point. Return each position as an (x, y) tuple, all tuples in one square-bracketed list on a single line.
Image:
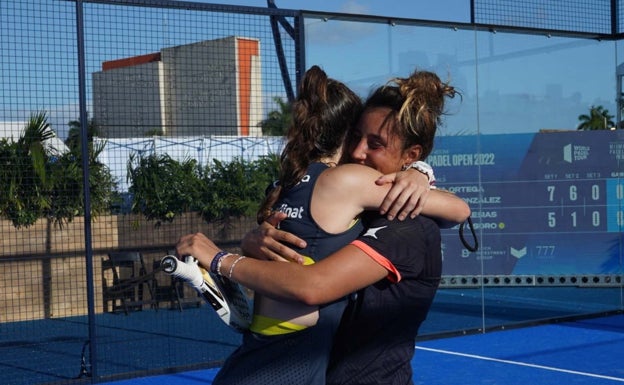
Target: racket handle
[(195, 276), (173, 266)]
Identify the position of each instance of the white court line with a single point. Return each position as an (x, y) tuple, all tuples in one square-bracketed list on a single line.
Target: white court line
[(522, 364)]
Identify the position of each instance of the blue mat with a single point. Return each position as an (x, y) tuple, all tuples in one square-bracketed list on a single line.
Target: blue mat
[(580, 352), (148, 342)]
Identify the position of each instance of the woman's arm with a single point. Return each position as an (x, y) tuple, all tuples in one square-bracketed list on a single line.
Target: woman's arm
[(270, 243), (446, 208), (352, 188), (347, 190), (344, 272)]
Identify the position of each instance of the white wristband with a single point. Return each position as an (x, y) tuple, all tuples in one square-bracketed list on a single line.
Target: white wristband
[(425, 169), (240, 257)]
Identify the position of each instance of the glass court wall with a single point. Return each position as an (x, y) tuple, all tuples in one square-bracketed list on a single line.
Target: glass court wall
[(546, 197)]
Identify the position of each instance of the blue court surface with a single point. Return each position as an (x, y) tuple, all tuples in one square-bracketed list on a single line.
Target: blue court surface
[(588, 351), (180, 347)]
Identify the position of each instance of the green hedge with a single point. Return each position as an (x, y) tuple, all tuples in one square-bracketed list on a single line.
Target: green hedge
[(162, 187)]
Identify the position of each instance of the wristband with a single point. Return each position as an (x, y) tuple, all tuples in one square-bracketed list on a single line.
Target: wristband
[(240, 257), (221, 262), (425, 169), (215, 264)]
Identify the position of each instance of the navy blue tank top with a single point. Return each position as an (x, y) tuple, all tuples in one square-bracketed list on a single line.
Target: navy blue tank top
[(296, 203)]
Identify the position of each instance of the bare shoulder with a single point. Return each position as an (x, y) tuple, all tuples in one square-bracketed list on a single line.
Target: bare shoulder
[(347, 189), (340, 194), (350, 175)]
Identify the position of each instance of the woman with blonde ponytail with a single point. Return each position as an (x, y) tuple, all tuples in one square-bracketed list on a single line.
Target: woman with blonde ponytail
[(298, 306)]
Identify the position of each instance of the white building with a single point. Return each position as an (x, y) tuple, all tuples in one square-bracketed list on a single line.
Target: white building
[(15, 129)]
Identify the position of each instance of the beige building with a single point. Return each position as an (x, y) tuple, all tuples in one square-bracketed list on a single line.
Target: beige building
[(211, 87)]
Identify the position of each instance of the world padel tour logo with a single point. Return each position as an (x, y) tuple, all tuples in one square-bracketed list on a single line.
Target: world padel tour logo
[(573, 152)]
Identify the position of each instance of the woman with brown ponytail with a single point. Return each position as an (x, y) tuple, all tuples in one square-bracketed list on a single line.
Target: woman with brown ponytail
[(298, 306)]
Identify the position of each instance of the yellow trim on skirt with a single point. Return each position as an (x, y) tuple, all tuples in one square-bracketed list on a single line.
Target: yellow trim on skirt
[(272, 327), (269, 326)]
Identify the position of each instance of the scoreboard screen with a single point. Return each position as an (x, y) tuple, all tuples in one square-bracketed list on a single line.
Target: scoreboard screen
[(545, 203)]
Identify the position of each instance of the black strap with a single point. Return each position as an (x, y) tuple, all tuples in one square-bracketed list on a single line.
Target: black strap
[(474, 235)]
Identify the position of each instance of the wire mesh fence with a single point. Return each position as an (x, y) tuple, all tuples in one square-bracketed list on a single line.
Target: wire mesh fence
[(196, 79), (554, 15), (169, 88)]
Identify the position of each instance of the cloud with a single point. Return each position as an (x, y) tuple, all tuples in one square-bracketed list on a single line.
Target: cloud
[(355, 7), (337, 32)]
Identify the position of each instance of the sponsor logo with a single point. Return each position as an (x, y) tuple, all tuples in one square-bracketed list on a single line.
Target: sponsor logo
[(518, 253), (372, 232), (572, 153), (292, 212)]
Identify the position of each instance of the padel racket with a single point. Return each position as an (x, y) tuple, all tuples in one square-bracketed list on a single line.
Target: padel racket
[(224, 295)]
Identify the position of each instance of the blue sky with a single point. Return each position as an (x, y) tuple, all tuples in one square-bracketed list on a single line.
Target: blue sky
[(449, 10), (524, 82), (33, 53)]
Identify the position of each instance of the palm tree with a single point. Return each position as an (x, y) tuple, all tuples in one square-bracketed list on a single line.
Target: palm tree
[(38, 183), (73, 140), (278, 120), (24, 174), (598, 119)]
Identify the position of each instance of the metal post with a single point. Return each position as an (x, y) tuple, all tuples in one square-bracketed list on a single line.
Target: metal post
[(85, 181)]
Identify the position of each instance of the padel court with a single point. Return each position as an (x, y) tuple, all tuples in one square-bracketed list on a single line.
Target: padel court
[(522, 345), (585, 351)]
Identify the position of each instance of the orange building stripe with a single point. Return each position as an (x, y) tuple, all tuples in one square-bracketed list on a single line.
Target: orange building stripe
[(130, 61), (246, 49)]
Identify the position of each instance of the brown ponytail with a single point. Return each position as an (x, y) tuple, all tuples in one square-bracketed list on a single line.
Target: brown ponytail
[(323, 113)]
